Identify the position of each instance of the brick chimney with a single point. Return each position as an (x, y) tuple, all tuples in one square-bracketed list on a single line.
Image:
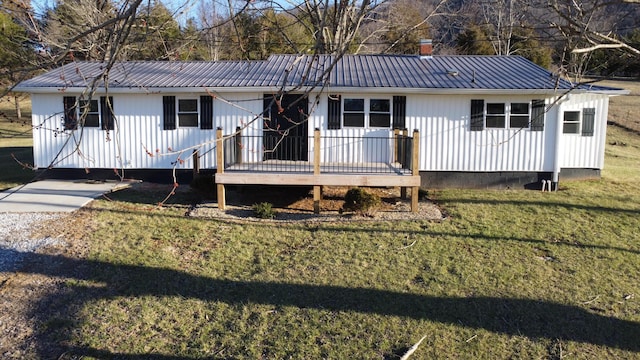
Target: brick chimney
[(426, 48)]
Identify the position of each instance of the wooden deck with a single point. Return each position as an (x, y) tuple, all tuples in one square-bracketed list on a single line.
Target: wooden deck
[(317, 174), (335, 179), (296, 175), (277, 172), (290, 167)]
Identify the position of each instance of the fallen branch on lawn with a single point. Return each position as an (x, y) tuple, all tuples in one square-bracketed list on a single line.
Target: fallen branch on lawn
[(412, 349), (592, 300), (408, 246)]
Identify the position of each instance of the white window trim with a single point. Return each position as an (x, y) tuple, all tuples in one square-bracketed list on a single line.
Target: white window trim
[(579, 122), (507, 114), (80, 109), (367, 111), (197, 112), (344, 111), (528, 114)]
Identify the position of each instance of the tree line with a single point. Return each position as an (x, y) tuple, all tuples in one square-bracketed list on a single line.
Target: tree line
[(592, 37)]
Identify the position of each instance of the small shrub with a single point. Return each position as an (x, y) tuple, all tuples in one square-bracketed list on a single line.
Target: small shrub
[(423, 195), (360, 201), (264, 210)]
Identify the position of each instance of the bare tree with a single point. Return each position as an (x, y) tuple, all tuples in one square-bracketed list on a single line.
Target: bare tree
[(586, 26), (210, 22), (501, 17), (333, 25)]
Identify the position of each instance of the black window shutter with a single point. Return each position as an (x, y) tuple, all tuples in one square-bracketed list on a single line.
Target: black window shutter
[(537, 115), (169, 112), (333, 115), (106, 113), (70, 114), (477, 115), (588, 121), (206, 112), (399, 112)]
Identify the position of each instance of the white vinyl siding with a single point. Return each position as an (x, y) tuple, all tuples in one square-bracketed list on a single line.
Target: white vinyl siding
[(140, 142), (579, 151), (446, 142)]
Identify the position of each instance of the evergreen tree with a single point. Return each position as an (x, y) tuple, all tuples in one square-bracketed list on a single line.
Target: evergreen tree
[(14, 44), (15, 52), (474, 41), (525, 43)]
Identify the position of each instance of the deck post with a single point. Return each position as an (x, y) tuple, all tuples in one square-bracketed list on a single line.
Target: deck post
[(196, 163), (317, 189), (403, 157), (220, 168), (396, 143), (238, 138), (415, 170)]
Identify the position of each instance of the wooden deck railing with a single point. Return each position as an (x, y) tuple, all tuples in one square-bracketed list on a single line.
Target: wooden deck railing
[(328, 160), (334, 154)]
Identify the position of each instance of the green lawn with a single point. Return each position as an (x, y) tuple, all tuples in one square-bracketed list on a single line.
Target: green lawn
[(15, 143), (510, 274)]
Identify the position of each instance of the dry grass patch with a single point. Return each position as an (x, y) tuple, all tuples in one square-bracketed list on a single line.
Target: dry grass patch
[(623, 109)]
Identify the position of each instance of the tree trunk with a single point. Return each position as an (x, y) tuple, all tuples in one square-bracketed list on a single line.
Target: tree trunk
[(18, 112)]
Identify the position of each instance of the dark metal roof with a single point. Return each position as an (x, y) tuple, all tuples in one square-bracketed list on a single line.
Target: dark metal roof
[(351, 71)]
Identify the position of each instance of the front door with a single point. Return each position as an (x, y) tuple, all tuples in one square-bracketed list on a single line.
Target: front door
[(285, 132)]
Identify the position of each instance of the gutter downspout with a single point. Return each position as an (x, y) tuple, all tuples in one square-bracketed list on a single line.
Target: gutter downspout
[(558, 144)]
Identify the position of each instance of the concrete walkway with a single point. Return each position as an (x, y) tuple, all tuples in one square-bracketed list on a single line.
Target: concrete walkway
[(55, 195)]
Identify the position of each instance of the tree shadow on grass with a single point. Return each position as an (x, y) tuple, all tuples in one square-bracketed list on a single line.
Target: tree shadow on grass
[(516, 317)]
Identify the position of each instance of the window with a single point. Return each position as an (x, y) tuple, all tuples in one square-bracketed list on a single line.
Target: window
[(89, 108), (185, 112), (579, 122), (571, 122), (519, 116), (188, 112), (353, 112), (96, 113), (495, 115), (379, 113), (373, 113)]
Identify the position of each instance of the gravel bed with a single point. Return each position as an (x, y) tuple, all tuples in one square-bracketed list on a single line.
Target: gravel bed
[(401, 211), (16, 240)]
